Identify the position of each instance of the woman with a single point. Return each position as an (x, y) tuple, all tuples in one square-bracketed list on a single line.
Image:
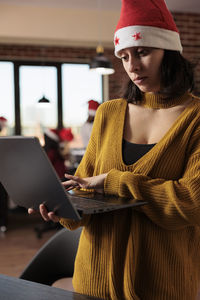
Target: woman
[(146, 146), (86, 129)]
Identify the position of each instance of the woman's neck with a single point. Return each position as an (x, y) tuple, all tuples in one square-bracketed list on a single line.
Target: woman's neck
[(151, 100)]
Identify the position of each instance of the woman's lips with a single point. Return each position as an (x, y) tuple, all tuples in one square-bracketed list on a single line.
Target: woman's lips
[(139, 80)]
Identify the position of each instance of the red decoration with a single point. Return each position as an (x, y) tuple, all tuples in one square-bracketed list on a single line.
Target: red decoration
[(66, 134), (116, 41), (137, 36), (3, 120), (93, 105)]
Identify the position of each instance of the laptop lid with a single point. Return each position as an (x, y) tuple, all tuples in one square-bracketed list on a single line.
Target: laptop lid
[(30, 179)]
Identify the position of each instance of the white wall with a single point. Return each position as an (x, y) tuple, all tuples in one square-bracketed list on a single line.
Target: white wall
[(56, 25)]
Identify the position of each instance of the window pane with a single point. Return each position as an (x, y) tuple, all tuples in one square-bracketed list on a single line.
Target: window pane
[(79, 86), (36, 82), (7, 94)]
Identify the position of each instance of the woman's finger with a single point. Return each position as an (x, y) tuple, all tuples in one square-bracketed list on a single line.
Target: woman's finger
[(31, 211), (47, 216), (70, 184), (69, 176), (73, 187), (73, 178), (53, 217), (44, 212)]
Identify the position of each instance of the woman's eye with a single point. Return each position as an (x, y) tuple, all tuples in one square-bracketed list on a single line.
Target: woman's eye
[(143, 52), (124, 58)]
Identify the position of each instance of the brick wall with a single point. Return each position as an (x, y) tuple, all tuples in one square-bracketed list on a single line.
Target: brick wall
[(189, 27)]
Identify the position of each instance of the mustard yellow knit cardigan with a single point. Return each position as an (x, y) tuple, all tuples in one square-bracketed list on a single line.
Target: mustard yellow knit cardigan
[(150, 253)]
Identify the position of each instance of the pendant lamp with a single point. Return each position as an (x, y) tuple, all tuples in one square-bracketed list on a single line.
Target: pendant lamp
[(101, 63), (44, 100)]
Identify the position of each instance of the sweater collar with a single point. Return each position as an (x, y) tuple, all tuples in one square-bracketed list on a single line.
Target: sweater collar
[(152, 100)]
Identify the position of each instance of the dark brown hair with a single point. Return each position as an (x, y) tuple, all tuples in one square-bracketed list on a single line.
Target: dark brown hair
[(177, 77)]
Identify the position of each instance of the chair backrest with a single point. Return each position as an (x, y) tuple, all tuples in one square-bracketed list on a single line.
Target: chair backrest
[(55, 259)]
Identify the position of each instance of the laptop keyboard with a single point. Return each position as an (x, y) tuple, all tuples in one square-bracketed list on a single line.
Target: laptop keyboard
[(88, 203)]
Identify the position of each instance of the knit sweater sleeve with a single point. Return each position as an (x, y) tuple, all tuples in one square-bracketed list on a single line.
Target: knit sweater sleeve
[(172, 204)]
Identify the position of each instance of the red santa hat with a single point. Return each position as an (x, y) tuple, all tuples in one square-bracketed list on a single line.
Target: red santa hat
[(64, 134), (3, 121), (53, 134), (146, 23), (92, 107)]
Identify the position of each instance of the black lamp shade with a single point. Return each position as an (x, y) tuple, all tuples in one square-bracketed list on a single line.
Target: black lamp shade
[(101, 64), (43, 100)]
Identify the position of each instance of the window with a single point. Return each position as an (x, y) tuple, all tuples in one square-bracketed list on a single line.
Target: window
[(68, 86), (79, 86), (36, 82), (7, 94)]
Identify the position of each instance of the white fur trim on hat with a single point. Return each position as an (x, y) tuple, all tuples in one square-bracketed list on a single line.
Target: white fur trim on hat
[(92, 112), (51, 134), (146, 36)]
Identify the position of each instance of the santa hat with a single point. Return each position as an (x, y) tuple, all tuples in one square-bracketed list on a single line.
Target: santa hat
[(146, 23), (64, 134), (3, 121), (92, 107), (53, 134)]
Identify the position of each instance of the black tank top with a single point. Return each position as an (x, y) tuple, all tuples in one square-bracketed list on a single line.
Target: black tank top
[(132, 152)]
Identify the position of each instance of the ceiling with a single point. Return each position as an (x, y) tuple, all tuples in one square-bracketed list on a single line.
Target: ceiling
[(192, 6)]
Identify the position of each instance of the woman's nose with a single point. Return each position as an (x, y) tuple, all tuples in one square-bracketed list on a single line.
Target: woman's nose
[(133, 65)]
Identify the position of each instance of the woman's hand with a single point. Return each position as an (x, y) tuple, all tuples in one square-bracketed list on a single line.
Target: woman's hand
[(47, 216), (95, 182)]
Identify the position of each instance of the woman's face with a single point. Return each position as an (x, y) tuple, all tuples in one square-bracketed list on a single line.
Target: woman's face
[(143, 65)]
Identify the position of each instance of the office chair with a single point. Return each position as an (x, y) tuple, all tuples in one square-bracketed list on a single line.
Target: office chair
[(3, 209), (55, 259)]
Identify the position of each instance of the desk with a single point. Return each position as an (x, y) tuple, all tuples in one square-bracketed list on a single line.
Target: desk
[(19, 289)]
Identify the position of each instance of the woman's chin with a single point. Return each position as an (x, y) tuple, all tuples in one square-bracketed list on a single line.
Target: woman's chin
[(146, 89)]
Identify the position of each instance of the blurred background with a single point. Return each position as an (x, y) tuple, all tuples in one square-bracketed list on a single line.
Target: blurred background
[(46, 47), (47, 77)]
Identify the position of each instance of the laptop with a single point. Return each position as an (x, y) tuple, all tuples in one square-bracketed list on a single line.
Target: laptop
[(30, 179)]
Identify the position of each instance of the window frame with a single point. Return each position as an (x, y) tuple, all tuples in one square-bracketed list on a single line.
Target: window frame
[(58, 65)]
